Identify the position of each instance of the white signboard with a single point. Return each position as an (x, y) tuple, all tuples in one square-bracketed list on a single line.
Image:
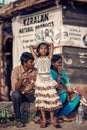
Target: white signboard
[(34, 28), (45, 26), (74, 36)]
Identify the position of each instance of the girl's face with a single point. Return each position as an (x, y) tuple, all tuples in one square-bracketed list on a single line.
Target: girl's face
[(43, 50)]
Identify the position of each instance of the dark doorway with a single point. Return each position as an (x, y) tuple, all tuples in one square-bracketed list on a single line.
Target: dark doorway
[(7, 49)]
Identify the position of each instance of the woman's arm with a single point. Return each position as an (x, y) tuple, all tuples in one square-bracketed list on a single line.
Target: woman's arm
[(69, 89), (51, 49), (32, 47)]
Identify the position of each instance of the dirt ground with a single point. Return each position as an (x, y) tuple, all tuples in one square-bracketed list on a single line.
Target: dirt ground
[(64, 126)]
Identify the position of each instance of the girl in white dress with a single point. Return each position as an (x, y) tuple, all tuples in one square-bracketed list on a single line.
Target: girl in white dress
[(46, 97)]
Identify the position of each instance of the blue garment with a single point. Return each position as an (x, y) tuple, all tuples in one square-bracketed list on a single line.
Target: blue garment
[(64, 78), (69, 106)]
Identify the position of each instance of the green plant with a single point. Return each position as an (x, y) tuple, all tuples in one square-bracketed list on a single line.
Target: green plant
[(6, 117)]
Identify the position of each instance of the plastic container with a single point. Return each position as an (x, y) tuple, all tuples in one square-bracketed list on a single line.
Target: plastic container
[(79, 116)]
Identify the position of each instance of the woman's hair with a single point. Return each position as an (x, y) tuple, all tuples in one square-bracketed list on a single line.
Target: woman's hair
[(38, 48), (25, 57), (55, 58)]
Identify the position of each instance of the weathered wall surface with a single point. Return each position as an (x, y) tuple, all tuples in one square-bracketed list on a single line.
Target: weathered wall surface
[(75, 64)]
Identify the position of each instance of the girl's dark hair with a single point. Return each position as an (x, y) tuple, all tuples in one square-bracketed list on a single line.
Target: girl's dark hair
[(25, 57), (38, 48), (56, 57)]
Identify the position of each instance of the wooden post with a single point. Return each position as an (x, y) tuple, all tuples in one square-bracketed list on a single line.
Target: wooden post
[(3, 86), (0, 57)]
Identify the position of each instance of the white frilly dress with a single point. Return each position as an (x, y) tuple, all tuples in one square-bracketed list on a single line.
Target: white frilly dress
[(46, 97)]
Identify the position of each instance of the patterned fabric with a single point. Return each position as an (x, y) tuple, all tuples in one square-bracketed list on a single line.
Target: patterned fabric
[(45, 90), (43, 65), (27, 85), (73, 96)]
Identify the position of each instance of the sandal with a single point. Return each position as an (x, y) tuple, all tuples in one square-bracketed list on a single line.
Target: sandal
[(19, 124), (56, 124), (43, 125), (60, 121), (37, 120)]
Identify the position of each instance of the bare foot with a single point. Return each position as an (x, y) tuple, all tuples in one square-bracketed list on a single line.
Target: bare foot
[(64, 118)]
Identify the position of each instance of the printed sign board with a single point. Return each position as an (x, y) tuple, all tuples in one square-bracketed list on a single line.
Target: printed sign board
[(46, 25)]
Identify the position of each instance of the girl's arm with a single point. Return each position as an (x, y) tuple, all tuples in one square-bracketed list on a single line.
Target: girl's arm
[(32, 47), (51, 50)]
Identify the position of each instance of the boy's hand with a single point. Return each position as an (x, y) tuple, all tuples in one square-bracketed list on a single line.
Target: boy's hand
[(24, 76)]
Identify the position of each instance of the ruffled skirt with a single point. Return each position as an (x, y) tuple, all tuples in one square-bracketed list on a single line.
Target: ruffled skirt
[(46, 97)]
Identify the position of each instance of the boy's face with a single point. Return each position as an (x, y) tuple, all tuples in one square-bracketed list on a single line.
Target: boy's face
[(28, 65), (43, 50)]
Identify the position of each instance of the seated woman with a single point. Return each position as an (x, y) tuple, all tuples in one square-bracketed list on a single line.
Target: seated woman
[(68, 98)]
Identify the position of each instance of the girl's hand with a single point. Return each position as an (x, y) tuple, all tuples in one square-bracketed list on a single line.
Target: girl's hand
[(50, 44), (51, 50), (32, 46)]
